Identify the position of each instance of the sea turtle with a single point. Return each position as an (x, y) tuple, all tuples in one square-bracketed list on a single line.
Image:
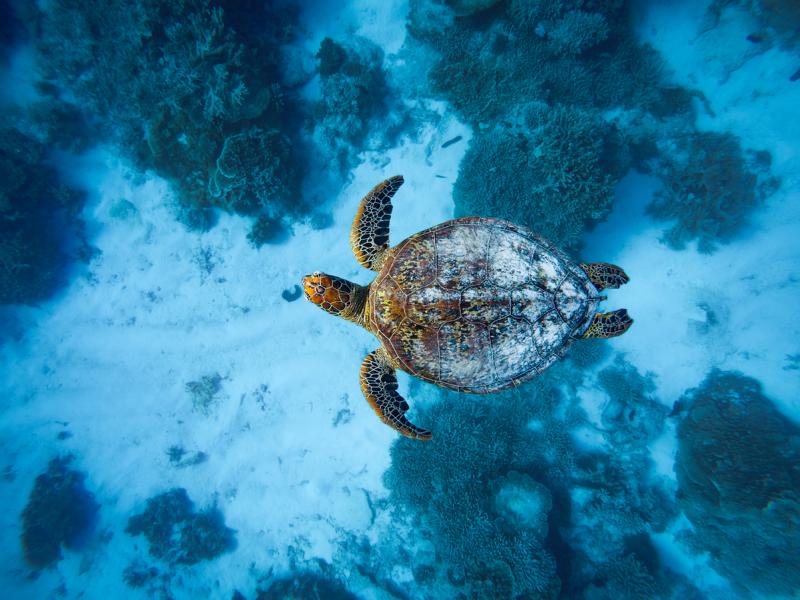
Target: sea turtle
[(474, 304)]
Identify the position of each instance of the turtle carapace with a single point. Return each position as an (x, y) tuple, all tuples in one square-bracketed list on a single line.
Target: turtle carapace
[(474, 304)]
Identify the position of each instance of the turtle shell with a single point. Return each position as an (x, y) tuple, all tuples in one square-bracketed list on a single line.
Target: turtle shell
[(478, 305)]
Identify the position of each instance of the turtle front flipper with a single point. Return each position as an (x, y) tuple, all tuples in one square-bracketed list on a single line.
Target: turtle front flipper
[(606, 325), (379, 384), (605, 275), (369, 235)]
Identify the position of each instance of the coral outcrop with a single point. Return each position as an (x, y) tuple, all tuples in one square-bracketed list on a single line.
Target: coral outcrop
[(60, 512), (179, 535), (738, 469), (40, 230)]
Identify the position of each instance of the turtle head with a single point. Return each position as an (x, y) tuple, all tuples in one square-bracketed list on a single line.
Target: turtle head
[(332, 294)]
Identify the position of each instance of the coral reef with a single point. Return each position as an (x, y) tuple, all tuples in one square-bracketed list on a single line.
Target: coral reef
[(710, 188), (305, 586), (60, 511), (471, 484), (522, 503), (354, 95), (208, 89), (524, 51), (516, 508), (38, 221), (253, 168), (577, 31), (177, 534), (738, 470), (554, 173), (632, 417), (266, 230)]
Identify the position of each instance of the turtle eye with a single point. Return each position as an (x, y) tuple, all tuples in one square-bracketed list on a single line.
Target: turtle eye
[(319, 289)]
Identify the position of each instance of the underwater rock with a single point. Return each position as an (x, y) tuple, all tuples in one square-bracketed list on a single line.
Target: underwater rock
[(60, 511), (177, 534), (176, 456), (738, 470), (138, 574), (632, 416), (465, 8), (625, 578), (521, 51)]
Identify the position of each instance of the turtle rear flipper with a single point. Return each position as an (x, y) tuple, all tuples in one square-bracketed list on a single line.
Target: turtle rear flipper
[(605, 275), (606, 325), (379, 384), (369, 236)]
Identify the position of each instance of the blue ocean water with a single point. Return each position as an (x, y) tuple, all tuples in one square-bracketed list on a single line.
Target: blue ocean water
[(179, 422)]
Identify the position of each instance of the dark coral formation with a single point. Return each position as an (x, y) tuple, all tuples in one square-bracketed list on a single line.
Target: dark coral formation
[(39, 225), (710, 188), (738, 469), (354, 95), (633, 416), (204, 392), (457, 481), (60, 512), (578, 59), (305, 586), (516, 507), (177, 534), (572, 52), (190, 89), (554, 173), (532, 78)]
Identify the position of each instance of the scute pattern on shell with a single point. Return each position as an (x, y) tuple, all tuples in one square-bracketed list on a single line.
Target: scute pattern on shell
[(478, 305)]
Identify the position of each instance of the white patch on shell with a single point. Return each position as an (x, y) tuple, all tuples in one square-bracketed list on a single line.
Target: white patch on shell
[(514, 354), (531, 302), (485, 304), (548, 272), (510, 257), (549, 333), (461, 253), (466, 357), (571, 301)]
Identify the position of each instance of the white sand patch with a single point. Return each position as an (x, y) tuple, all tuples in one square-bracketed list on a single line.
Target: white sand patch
[(383, 23), (292, 446), (734, 309)]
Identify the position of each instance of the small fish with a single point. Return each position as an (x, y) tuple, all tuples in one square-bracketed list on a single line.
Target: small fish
[(452, 141), (755, 38)]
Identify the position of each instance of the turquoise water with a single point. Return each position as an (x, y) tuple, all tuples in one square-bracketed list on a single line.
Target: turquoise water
[(179, 422)]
